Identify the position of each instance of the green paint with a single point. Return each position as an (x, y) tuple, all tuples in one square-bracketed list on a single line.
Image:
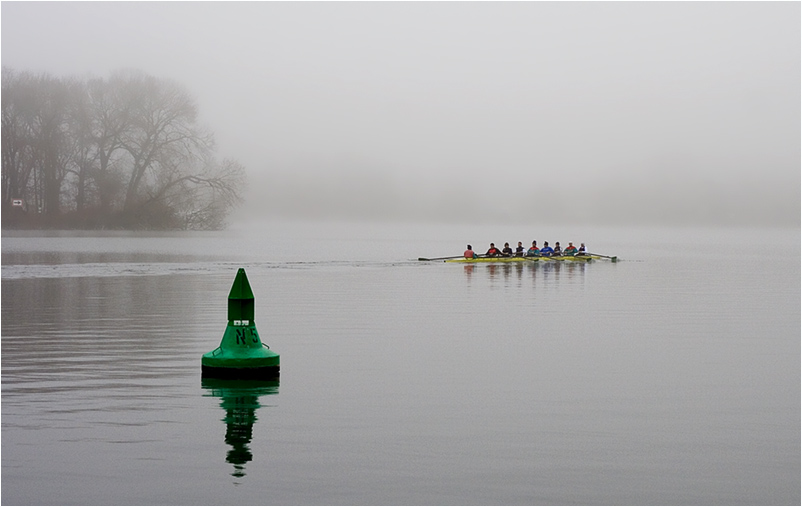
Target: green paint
[(240, 400), (240, 299), (241, 353)]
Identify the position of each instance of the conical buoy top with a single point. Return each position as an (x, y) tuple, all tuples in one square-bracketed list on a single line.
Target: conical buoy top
[(240, 299), (241, 289)]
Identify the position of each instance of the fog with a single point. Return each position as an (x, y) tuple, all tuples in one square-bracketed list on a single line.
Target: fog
[(597, 113)]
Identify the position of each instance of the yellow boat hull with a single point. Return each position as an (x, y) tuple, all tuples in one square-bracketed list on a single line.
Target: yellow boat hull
[(568, 258)]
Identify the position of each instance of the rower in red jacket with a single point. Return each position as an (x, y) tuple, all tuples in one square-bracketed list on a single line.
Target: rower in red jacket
[(493, 251), (469, 253)]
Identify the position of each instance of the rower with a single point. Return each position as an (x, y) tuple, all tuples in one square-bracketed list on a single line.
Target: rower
[(506, 251), (546, 251), (469, 253), (557, 250), (493, 251), (533, 251), (570, 249), (519, 250), (581, 250)]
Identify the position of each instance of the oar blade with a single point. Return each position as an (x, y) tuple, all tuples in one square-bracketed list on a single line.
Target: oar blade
[(612, 259)]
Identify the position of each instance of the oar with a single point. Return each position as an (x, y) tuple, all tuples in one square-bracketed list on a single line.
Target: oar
[(551, 256), (440, 258), (613, 259)]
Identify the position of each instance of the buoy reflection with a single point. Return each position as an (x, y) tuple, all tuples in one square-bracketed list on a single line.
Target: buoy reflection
[(240, 399)]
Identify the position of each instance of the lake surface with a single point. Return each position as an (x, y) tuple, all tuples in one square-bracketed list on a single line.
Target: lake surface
[(670, 377)]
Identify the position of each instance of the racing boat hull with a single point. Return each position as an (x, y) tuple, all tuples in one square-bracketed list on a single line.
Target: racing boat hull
[(567, 258)]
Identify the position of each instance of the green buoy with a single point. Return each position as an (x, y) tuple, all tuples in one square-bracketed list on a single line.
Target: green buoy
[(241, 354)]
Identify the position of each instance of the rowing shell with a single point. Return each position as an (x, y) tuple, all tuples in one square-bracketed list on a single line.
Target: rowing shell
[(579, 258)]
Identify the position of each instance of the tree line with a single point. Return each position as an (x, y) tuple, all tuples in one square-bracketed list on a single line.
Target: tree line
[(125, 152)]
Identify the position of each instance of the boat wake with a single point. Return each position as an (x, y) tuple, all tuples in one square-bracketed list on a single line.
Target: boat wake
[(112, 269)]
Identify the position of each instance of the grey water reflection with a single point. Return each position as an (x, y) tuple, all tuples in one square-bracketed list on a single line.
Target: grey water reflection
[(518, 271), (240, 400)]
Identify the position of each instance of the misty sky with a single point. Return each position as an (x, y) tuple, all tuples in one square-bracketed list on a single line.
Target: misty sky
[(590, 112)]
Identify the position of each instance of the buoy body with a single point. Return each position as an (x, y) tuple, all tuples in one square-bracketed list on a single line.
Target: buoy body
[(241, 354)]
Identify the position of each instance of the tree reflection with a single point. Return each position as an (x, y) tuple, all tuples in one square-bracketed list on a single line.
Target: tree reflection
[(240, 399)]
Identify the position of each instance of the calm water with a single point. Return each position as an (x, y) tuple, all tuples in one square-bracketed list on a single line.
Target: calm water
[(667, 378)]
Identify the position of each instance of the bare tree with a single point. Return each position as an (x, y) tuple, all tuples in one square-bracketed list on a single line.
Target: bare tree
[(203, 197), (111, 120), (47, 125), (84, 150), (162, 133), (16, 153), (34, 133), (127, 150)]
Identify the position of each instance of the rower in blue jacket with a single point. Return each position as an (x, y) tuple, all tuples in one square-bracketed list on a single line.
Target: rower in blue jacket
[(546, 251)]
